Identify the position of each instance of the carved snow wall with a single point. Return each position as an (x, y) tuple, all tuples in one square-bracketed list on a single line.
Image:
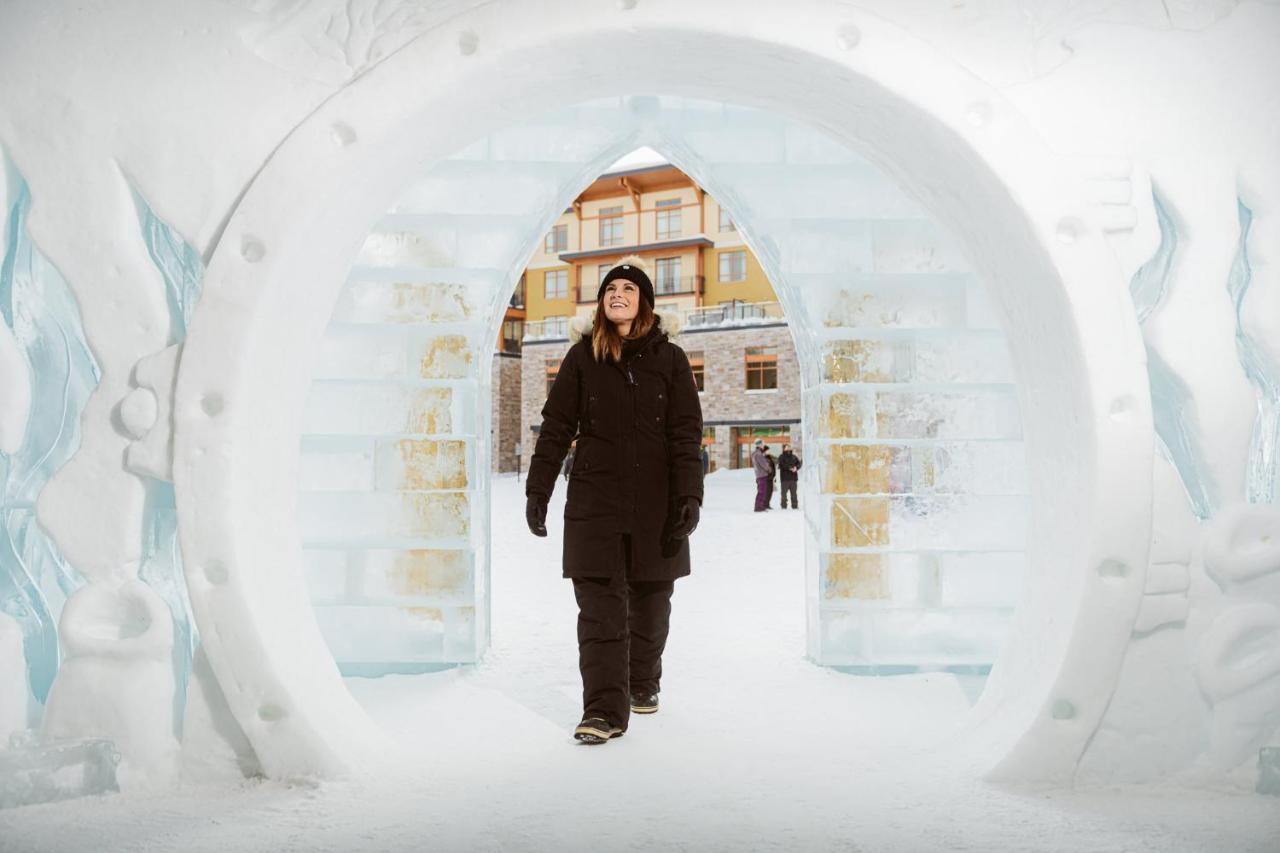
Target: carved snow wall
[(1128, 261)]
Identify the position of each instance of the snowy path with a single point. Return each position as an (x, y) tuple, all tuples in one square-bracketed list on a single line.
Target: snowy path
[(754, 748)]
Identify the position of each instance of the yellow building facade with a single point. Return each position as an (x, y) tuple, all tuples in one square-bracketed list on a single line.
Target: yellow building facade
[(695, 255)]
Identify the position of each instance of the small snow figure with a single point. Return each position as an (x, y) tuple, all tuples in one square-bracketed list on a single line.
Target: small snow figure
[(789, 473), (628, 394)]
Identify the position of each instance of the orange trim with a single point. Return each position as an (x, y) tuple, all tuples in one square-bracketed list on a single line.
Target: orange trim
[(625, 213)]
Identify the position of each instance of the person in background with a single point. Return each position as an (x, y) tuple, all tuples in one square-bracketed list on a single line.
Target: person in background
[(760, 465), (773, 472), (789, 473), (706, 460)]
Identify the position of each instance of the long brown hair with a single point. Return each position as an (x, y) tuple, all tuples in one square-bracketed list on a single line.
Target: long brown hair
[(605, 340)]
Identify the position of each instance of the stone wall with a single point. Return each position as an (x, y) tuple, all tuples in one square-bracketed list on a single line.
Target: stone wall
[(504, 430), (726, 402)]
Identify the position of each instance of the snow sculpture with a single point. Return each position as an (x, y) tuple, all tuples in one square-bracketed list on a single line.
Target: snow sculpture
[(1130, 653), (1238, 660), (117, 679), (46, 374), (213, 745)]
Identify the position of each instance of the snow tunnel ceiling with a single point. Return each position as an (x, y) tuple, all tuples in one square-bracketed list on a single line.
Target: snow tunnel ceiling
[(193, 362)]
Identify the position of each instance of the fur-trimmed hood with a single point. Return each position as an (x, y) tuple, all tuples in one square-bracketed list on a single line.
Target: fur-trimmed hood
[(670, 322)]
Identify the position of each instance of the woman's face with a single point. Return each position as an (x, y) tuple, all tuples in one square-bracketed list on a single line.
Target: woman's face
[(621, 301)]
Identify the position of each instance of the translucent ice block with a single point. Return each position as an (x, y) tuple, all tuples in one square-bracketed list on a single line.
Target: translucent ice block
[(843, 191), (438, 240), (34, 772), (412, 296), (929, 579), (980, 523), (561, 138), (388, 408), (1269, 771), (336, 463), (366, 518), (483, 188), (988, 413), (404, 352), (974, 467), (914, 246), (910, 639), (378, 635), (421, 464)]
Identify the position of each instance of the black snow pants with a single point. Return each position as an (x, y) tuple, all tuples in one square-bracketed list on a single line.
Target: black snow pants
[(789, 488), (622, 631)]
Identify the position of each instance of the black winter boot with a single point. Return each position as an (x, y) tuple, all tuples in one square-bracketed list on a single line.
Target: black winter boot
[(644, 703), (593, 730)]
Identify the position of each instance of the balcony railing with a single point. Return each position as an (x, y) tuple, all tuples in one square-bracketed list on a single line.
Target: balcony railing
[(677, 286), (729, 314), (548, 329), (734, 314)]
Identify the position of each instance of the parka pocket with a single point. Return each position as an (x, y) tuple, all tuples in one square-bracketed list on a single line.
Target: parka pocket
[(653, 405)]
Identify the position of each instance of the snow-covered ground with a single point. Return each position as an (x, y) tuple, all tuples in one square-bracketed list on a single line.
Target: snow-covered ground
[(754, 748)]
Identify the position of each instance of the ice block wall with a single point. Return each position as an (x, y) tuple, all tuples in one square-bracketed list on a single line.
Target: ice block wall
[(394, 503), (917, 508)]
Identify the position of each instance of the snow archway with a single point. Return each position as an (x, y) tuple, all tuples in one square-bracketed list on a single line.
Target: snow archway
[(949, 139)]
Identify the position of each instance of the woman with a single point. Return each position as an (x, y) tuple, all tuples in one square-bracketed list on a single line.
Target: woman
[(628, 395)]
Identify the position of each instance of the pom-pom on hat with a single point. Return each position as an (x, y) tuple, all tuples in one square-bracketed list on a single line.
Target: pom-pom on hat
[(633, 273)]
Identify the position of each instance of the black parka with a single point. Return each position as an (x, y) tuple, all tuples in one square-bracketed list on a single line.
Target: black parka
[(639, 430), (786, 462)]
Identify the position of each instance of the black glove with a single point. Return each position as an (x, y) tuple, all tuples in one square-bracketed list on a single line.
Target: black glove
[(688, 511), (535, 513)]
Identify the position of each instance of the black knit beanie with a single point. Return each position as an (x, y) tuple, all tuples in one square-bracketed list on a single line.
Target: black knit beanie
[(633, 274)]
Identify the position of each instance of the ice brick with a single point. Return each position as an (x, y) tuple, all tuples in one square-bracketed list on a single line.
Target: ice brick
[(976, 467), (924, 579), (32, 771), (372, 518), (996, 523)]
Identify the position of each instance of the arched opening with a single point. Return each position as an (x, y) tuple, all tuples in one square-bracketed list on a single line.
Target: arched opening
[(271, 287)]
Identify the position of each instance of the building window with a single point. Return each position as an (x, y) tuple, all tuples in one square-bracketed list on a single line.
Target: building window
[(553, 367), (556, 284), (557, 240), (669, 225), (512, 334), (517, 297), (668, 276), (611, 226), (696, 363), (603, 271), (744, 439), (733, 266), (726, 221), (762, 368)]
